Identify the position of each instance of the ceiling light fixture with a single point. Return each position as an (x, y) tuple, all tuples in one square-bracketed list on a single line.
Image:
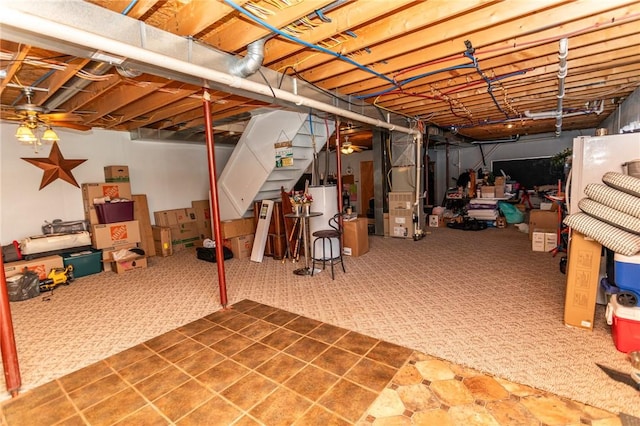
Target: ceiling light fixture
[(28, 134), (25, 134), (346, 150), (49, 135)]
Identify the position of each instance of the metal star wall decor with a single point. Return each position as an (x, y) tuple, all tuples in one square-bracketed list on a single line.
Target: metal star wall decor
[(56, 167)]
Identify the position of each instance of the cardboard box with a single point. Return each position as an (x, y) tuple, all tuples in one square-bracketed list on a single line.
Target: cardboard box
[(185, 235), (115, 234), (542, 219), (537, 241), (116, 173), (237, 227), (162, 240), (141, 214), (241, 246), (174, 217), (543, 240), (356, 237), (41, 266), (434, 220), (91, 191), (550, 241), (107, 255), (202, 211), (107, 252), (123, 266), (488, 191), (583, 276)]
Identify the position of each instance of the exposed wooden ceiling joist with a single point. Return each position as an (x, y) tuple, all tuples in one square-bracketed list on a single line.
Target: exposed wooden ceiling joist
[(386, 43)]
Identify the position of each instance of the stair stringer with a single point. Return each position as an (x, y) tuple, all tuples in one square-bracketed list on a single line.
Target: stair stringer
[(251, 174)]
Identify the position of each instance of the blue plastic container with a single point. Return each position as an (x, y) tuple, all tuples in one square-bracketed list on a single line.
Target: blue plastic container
[(627, 272)]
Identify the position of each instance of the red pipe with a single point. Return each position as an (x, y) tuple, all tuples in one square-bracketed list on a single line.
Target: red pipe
[(215, 209), (339, 180), (339, 166), (7, 339)]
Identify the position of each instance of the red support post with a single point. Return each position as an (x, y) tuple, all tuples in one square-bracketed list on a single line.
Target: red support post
[(338, 166), (7, 339), (215, 209)]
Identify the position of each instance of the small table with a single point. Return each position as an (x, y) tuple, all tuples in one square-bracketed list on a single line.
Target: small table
[(305, 238)]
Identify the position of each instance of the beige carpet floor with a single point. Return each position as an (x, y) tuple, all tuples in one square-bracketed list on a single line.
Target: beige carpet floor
[(479, 299)]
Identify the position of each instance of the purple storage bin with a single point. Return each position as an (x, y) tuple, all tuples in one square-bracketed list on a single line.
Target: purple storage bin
[(121, 211)]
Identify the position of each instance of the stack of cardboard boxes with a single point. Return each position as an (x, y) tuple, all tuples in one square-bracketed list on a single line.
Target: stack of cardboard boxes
[(112, 236), (182, 228), (238, 235), (543, 229), (496, 190), (178, 229)]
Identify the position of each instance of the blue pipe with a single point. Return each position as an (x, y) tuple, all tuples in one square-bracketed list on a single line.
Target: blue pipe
[(417, 77), (129, 7), (304, 43)]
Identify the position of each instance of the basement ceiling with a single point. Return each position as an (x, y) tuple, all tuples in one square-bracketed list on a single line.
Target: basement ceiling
[(481, 70)]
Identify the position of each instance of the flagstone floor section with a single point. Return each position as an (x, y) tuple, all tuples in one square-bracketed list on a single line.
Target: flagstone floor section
[(254, 364)]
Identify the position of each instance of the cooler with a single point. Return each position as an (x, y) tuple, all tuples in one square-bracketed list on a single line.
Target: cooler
[(627, 272), (625, 325)]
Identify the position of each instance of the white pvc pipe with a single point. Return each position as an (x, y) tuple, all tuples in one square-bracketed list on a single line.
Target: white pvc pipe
[(20, 20), (562, 73), (554, 114)]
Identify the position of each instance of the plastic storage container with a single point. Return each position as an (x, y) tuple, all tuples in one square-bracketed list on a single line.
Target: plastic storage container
[(627, 272), (84, 263), (121, 211), (625, 325)]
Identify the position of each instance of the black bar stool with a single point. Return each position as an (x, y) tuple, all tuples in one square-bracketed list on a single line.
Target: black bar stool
[(324, 237)]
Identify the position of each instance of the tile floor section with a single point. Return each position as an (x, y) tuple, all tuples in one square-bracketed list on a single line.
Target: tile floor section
[(258, 365)]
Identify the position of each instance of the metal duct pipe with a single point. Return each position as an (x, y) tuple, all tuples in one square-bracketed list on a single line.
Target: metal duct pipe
[(17, 19), (251, 63), (77, 84), (563, 52)]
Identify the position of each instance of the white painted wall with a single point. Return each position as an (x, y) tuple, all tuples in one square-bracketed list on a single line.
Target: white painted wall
[(170, 174)]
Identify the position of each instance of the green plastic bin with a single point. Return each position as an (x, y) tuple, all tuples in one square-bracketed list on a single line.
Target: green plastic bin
[(84, 263)]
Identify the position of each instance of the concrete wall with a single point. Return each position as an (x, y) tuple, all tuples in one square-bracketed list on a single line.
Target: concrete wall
[(626, 117)]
